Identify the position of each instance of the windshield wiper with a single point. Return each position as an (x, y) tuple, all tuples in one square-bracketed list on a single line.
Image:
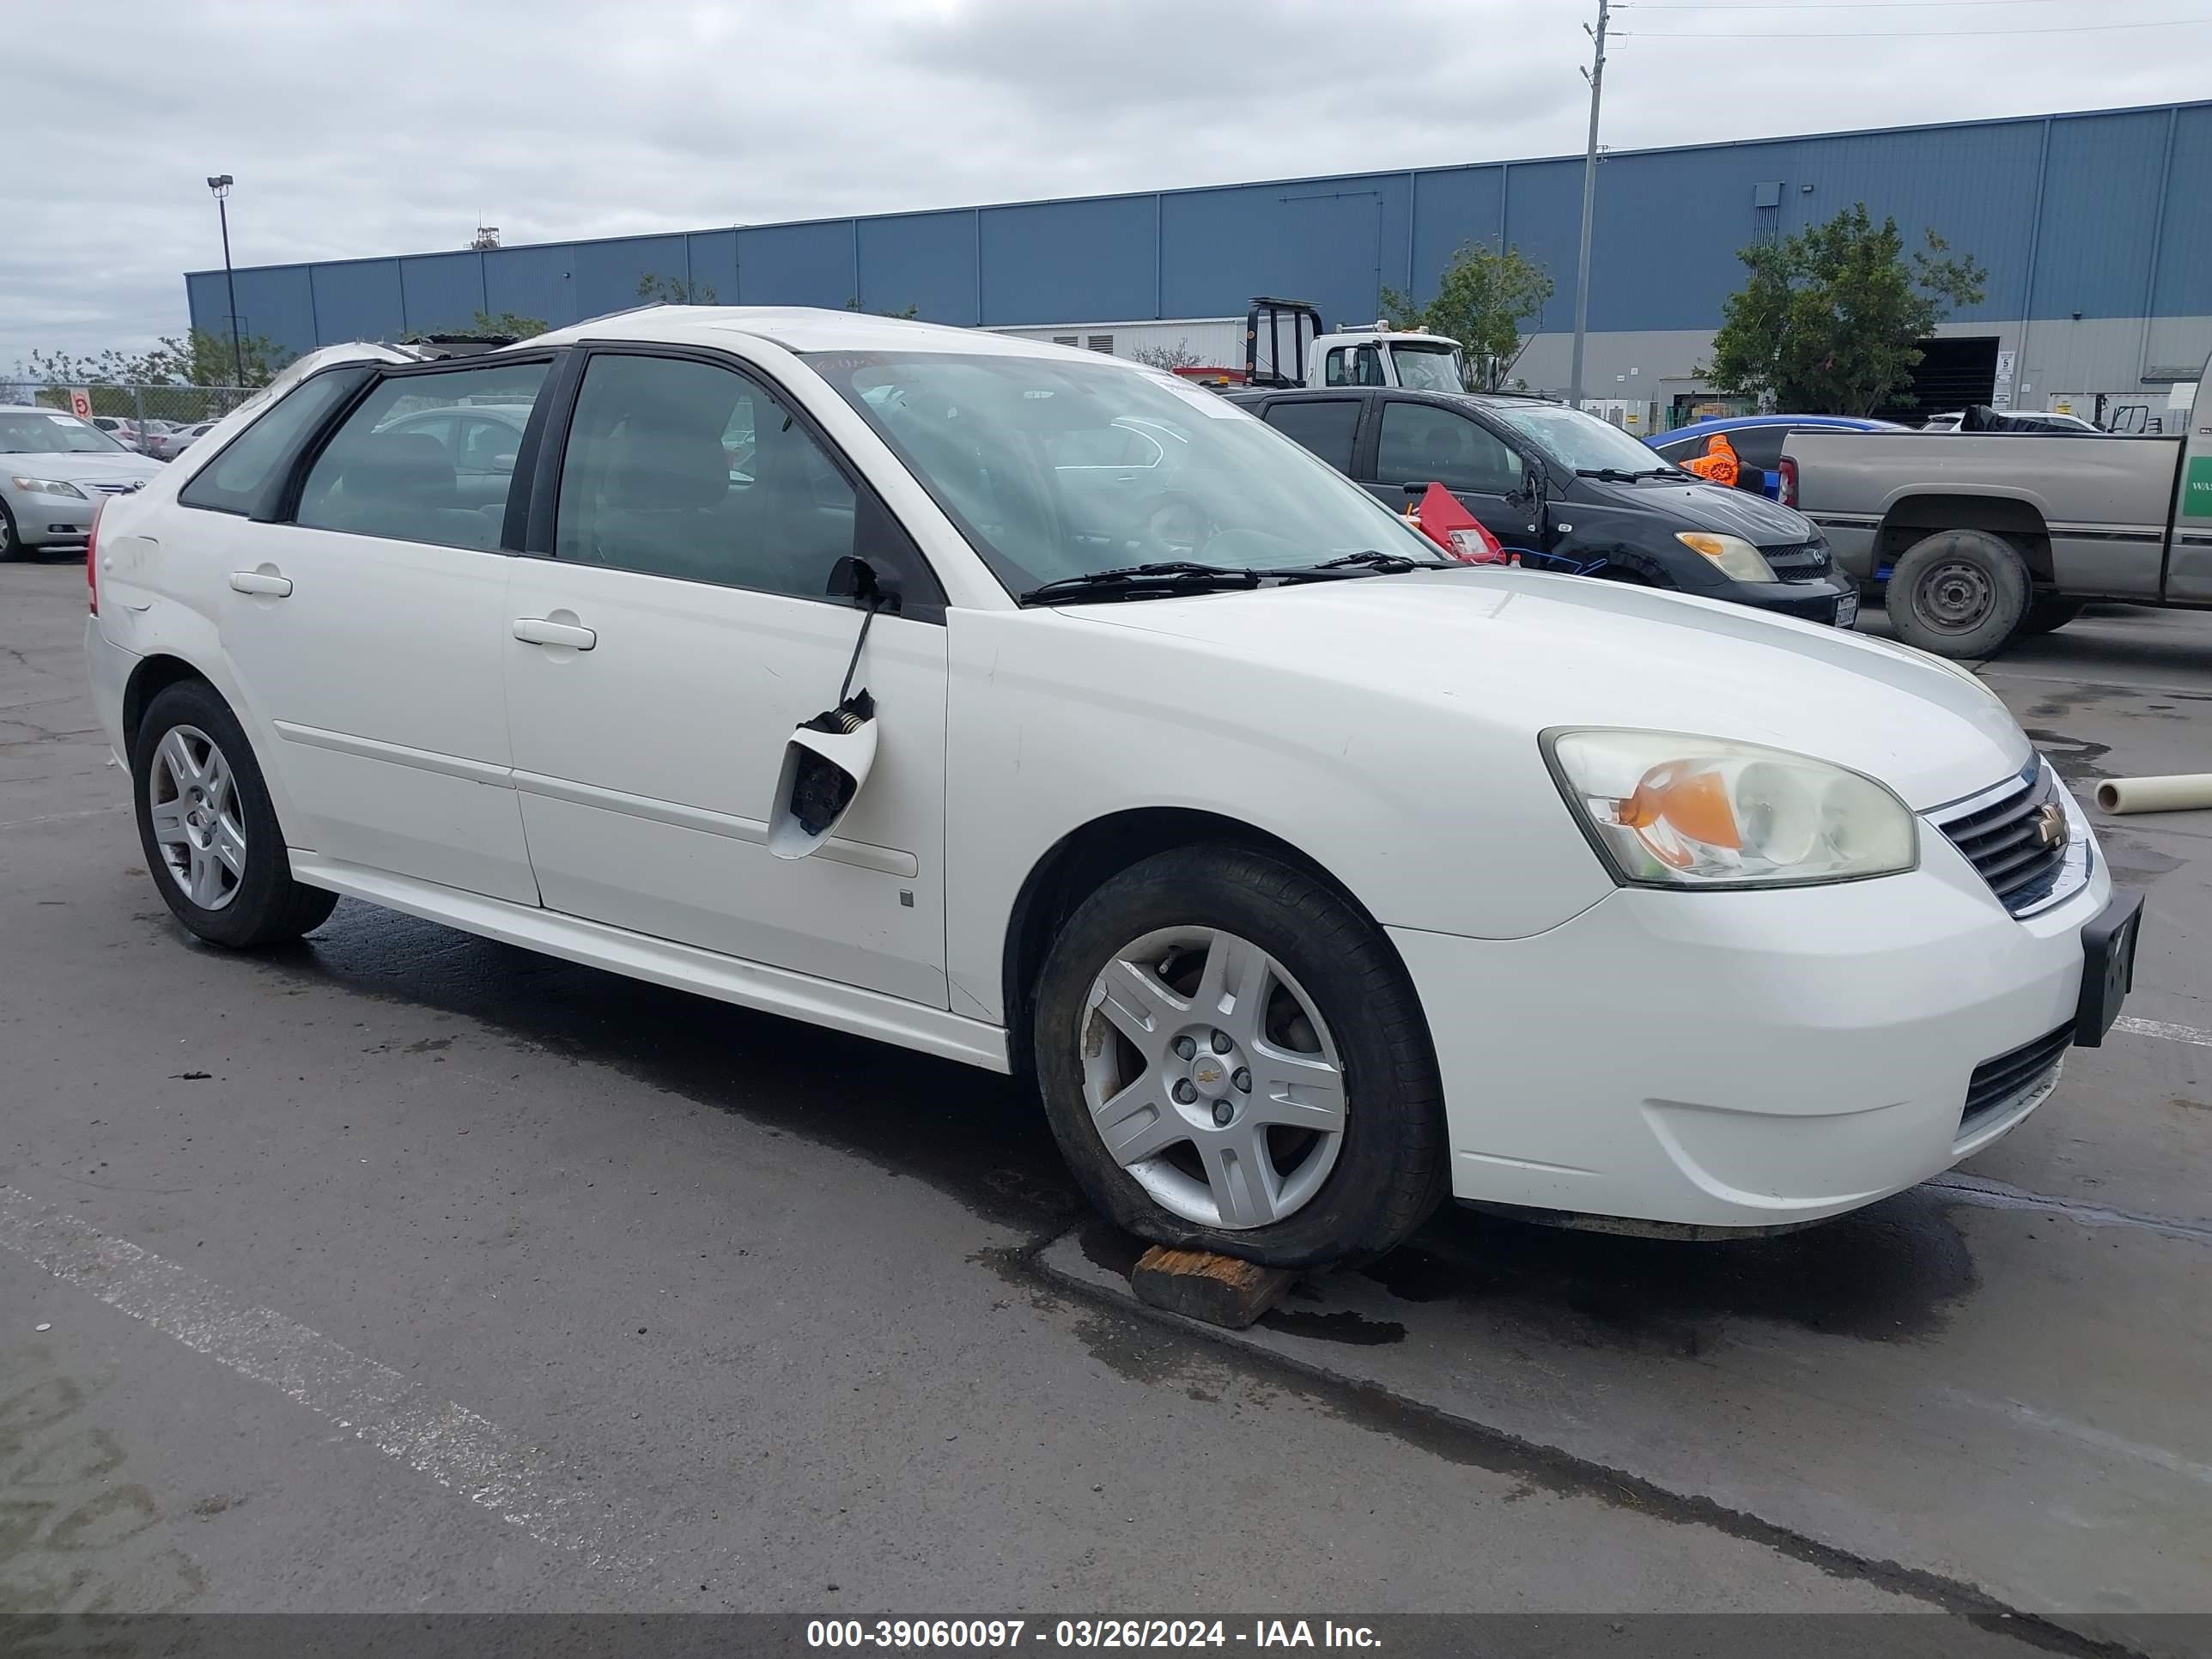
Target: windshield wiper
[(1130, 581), (1367, 561), (1173, 576)]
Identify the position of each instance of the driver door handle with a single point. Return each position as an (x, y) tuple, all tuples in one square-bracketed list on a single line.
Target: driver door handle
[(260, 581), (536, 630)]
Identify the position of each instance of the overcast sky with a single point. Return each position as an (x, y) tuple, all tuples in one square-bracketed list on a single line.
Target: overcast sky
[(382, 126)]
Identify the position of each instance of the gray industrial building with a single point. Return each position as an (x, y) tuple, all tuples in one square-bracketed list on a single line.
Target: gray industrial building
[(2091, 226)]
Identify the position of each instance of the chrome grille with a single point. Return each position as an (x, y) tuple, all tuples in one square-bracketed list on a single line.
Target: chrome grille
[(1997, 1084), (119, 488), (2000, 832)]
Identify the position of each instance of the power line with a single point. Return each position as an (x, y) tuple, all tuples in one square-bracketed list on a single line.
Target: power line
[(1906, 34)]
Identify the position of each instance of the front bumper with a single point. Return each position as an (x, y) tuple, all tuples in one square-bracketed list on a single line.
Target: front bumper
[(1745, 1059), (1820, 601), (43, 520)]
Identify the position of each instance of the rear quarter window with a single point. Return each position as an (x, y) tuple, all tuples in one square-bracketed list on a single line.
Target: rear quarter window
[(249, 464)]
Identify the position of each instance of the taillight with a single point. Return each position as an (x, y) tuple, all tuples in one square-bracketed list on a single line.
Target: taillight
[(92, 560), (1788, 482)]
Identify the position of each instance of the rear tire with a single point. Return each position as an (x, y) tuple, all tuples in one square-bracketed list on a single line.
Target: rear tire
[(209, 834), (1959, 593), (2048, 612), (1253, 1046)]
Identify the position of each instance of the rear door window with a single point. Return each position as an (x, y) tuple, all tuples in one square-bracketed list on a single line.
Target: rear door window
[(1326, 426), (390, 470), (1761, 446)]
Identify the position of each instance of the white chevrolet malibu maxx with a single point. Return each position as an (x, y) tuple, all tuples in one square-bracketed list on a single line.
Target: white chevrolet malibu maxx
[(1043, 712)]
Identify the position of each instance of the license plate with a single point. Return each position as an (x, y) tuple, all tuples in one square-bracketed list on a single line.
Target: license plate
[(2108, 968), (1847, 610)]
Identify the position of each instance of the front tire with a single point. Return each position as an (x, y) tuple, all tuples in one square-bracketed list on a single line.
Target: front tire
[(210, 836), (1959, 593), (11, 545), (1233, 1058)]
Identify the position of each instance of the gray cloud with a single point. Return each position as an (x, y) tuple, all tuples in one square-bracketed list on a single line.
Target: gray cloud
[(359, 129)]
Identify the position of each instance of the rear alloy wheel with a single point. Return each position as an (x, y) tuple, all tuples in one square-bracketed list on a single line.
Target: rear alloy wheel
[(1233, 1058), (191, 801), (209, 833), (1959, 593)]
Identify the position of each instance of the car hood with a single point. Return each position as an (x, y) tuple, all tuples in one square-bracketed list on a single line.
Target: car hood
[(84, 468), (1761, 522), (1526, 650)]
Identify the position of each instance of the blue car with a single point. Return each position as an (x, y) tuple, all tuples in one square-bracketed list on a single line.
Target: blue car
[(1757, 440)]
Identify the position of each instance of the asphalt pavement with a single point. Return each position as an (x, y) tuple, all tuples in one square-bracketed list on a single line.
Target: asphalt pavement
[(401, 1271)]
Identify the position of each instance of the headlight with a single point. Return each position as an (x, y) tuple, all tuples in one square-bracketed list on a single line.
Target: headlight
[(1669, 810), (50, 487), (1736, 557)]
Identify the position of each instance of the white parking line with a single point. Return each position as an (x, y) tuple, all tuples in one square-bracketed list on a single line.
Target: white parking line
[(452, 1445), (2159, 1028)]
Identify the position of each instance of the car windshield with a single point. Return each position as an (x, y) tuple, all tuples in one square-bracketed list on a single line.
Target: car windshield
[(1576, 440), (23, 433), (1429, 367), (1054, 468)]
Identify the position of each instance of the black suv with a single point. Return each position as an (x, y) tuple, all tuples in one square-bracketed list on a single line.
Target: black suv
[(1570, 492)]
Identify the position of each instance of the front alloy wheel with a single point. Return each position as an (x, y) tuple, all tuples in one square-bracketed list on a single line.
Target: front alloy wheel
[(1211, 1077), (1232, 1058), (191, 800)]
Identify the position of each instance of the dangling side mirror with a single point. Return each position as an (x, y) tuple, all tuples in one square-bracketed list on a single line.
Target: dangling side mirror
[(828, 758), (824, 764)]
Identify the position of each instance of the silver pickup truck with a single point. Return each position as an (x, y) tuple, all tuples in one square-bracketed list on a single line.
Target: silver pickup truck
[(1979, 538)]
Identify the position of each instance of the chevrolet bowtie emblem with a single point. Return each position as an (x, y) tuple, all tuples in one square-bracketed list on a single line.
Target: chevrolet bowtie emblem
[(2050, 825)]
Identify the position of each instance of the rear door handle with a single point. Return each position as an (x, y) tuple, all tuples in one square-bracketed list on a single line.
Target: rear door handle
[(536, 630), (261, 581)]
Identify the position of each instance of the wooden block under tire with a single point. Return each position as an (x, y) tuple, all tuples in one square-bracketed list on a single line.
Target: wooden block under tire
[(1219, 1289)]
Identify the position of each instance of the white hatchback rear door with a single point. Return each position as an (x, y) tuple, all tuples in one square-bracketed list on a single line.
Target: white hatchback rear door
[(369, 633)]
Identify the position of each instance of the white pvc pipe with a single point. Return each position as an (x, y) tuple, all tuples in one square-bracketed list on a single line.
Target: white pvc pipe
[(2189, 792)]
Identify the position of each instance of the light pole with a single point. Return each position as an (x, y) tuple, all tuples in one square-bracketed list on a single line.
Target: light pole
[(1595, 75), (220, 184)]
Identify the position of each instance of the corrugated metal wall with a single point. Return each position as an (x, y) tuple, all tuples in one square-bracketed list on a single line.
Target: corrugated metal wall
[(2098, 214)]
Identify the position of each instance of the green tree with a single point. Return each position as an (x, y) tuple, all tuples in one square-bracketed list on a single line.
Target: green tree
[(676, 291), (1481, 301), (1829, 320), (200, 358)]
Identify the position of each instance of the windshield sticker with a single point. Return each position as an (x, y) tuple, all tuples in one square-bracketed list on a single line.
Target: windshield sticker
[(63, 419)]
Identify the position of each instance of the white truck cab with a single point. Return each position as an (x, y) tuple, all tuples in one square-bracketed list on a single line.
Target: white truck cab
[(1284, 345)]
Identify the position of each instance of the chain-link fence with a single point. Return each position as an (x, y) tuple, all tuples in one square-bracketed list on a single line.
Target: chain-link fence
[(154, 420)]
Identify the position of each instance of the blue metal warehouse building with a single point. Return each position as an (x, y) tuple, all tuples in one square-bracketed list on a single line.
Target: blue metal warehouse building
[(2092, 226)]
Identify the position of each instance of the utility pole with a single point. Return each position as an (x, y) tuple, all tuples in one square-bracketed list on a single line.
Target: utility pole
[(221, 185), (1595, 75)]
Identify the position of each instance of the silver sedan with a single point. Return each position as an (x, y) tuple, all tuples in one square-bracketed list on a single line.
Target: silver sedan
[(55, 469)]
